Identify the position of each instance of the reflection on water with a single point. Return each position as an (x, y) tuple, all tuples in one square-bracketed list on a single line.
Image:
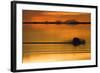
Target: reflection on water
[(55, 52), (55, 33), (37, 57), (54, 48)]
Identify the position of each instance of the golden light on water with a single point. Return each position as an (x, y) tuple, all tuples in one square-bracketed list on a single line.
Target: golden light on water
[(56, 33), (56, 57)]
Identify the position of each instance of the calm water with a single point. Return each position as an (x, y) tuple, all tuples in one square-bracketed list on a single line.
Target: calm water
[(46, 52), (55, 48), (55, 33), (55, 52)]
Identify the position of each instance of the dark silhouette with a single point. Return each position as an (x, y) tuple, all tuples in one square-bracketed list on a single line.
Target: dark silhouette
[(76, 41), (68, 22), (71, 22)]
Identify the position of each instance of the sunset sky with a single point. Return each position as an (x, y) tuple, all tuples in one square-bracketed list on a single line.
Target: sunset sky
[(55, 32), (52, 31)]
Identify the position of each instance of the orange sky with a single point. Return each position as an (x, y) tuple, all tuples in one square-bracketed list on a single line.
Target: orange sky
[(29, 16), (52, 30), (55, 33)]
